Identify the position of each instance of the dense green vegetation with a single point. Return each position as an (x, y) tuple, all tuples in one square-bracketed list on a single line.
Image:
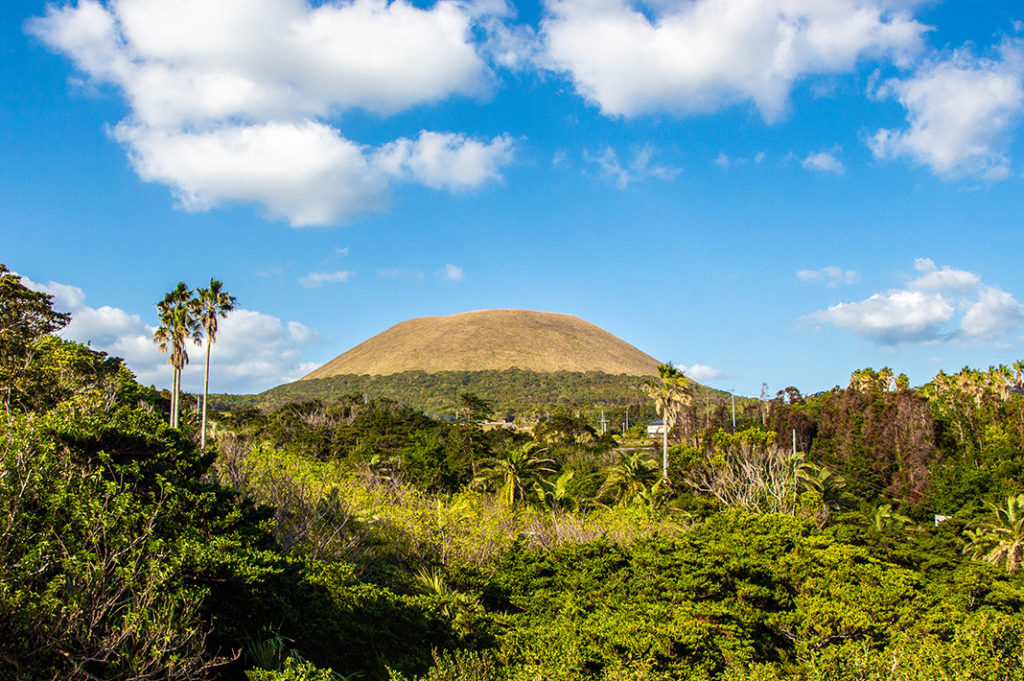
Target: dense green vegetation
[(512, 392), (362, 538)]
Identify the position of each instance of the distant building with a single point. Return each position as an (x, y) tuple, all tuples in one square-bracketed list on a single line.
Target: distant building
[(491, 425), (656, 428)]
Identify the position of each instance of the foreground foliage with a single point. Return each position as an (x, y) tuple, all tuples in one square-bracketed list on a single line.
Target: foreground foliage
[(360, 538)]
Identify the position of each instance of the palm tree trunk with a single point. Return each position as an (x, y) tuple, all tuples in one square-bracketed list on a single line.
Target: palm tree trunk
[(206, 388), (174, 383), (664, 446), (174, 397)]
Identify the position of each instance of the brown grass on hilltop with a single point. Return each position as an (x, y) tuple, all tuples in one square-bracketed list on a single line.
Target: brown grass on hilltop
[(492, 339)]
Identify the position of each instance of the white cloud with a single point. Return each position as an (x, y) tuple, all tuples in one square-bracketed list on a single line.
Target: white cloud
[(315, 279), (934, 279), (228, 99), (942, 304), (300, 333), (701, 56), (831, 276), (304, 172), (824, 162), (701, 372), (445, 161), (253, 351), (894, 317), (186, 62), (513, 46), (452, 273), (639, 168), (960, 113), (994, 315)]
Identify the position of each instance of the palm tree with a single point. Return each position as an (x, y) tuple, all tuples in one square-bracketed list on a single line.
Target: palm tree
[(884, 517), (630, 478), (1000, 539), (211, 303), (556, 494), (670, 396), (177, 323), (512, 473)]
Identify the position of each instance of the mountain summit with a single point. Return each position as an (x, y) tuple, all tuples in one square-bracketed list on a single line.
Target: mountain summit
[(492, 340)]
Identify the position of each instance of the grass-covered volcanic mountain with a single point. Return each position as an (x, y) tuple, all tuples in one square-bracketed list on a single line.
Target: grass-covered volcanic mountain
[(492, 340), (517, 360)]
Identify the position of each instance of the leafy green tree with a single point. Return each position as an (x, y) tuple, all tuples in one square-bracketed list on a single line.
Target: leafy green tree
[(178, 324), (211, 303), (26, 320), (474, 407)]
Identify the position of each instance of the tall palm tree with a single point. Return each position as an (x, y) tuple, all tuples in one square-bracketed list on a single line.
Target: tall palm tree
[(211, 303), (670, 395), (1000, 539), (177, 324)]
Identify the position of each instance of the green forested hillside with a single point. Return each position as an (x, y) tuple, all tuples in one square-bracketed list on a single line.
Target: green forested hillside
[(872, 532), (510, 392)]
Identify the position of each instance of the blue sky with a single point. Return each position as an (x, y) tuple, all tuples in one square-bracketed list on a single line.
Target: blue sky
[(777, 191)]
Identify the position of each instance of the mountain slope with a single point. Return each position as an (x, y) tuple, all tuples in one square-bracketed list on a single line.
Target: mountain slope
[(492, 340)]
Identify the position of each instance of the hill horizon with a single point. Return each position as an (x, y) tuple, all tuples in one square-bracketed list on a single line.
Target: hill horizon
[(491, 340)]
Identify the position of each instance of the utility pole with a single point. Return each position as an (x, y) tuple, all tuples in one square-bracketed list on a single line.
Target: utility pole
[(733, 397), (764, 406)]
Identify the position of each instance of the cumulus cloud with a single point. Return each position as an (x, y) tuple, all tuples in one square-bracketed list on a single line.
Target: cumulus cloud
[(959, 111), (639, 168), (701, 372), (894, 317), (993, 315), (939, 304), (446, 161), (632, 58), (228, 99), (192, 61), (831, 276), (253, 351), (935, 279), (315, 279), (823, 162), (303, 172), (452, 273)]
